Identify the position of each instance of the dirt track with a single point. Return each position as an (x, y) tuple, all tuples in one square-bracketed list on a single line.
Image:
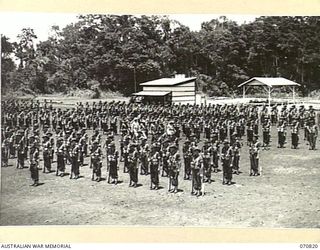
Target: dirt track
[(285, 196)]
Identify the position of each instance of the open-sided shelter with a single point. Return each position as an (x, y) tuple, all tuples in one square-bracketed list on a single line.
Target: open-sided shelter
[(268, 84)]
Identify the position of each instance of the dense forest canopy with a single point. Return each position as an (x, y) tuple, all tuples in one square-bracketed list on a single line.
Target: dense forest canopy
[(111, 52)]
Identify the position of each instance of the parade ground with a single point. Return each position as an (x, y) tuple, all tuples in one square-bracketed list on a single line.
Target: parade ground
[(286, 195)]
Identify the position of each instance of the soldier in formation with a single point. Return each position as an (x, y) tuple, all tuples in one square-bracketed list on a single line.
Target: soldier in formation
[(227, 162), (75, 159), (34, 164), (113, 156), (154, 160), (174, 165), (254, 157), (223, 127), (96, 160), (197, 173), (313, 134), (133, 166)]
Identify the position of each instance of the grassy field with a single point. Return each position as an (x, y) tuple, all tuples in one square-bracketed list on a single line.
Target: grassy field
[(285, 196)]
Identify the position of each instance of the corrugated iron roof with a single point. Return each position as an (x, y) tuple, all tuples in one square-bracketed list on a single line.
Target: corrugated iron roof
[(272, 81), (168, 81), (152, 93)]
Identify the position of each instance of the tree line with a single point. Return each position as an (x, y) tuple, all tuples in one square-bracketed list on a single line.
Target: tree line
[(112, 52)]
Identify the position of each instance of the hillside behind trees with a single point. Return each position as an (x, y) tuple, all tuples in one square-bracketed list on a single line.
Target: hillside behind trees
[(111, 52)]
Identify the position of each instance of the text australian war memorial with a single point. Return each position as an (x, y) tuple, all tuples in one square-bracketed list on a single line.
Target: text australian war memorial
[(126, 120)]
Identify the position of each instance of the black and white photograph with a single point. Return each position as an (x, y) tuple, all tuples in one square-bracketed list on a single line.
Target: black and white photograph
[(173, 120)]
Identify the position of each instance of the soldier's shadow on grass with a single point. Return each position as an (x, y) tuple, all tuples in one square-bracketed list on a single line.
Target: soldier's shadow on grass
[(51, 171), (209, 182), (113, 182), (40, 184), (240, 172), (74, 178), (159, 188)]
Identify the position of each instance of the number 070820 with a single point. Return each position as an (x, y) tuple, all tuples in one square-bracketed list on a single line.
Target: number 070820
[(308, 245)]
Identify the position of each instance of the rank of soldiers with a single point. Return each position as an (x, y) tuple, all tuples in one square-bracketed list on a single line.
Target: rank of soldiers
[(150, 139)]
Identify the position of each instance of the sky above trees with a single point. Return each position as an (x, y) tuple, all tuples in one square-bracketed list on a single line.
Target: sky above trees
[(11, 23), (110, 52)]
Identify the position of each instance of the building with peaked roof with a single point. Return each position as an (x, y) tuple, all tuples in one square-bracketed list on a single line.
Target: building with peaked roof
[(177, 90), (268, 84)]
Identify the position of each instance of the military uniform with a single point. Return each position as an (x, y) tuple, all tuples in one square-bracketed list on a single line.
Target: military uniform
[(187, 156), (113, 156), (174, 164), (165, 157), (187, 129), (313, 134), (266, 135), (207, 130), (295, 136), (144, 150), (104, 124), (125, 155), (12, 148), (215, 134), (249, 134), (113, 125), (34, 163), (4, 153), (46, 155), (154, 159), (52, 145), (61, 150), (20, 153), (273, 116), (96, 136), (236, 158), (96, 163), (281, 136), (227, 160), (197, 131), (75, 160), (214, 151), (133, 166), (122, 142), (83, 149), (254, 159), (223, 132), (107, 143), (197, 168), (207, 165)]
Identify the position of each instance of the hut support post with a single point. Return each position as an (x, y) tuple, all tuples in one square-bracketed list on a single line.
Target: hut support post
[(293, 94), (269, 96)]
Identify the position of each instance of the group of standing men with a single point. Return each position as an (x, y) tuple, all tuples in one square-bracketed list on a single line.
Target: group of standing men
[(150, 137)]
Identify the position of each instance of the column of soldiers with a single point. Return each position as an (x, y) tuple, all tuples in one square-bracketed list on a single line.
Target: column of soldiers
[(149, 139)]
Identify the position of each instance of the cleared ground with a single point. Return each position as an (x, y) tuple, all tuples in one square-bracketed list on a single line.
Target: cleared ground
[(285, 196)]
